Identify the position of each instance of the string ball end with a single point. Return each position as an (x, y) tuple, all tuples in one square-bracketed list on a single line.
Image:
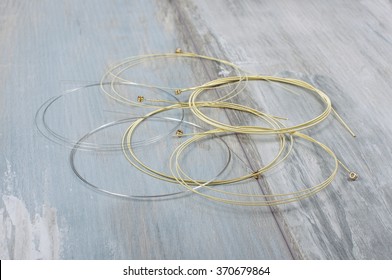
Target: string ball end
[(179, 133), (353, 176), (140, 98)]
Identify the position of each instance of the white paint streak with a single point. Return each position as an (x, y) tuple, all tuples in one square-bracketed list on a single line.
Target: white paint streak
[(223, 72), (9, 178), (27, 239), (4, 229)]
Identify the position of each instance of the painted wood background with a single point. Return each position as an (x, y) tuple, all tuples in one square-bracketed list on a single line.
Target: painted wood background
[(342, 47)]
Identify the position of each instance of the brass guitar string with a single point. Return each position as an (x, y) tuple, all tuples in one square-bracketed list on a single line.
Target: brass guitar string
[(262, 130), (269, 199), (133, 159), (115, 73)]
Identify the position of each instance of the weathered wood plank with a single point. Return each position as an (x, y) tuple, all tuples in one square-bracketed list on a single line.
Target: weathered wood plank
[(46, 212), (344, 49)]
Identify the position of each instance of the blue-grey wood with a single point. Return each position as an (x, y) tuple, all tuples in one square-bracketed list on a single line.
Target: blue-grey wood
[(344, 49), (47, 47), (46, 212)]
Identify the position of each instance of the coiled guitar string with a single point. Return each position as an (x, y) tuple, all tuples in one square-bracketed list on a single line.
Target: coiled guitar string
[(116, 71), (193, 105), (139, 144), (48, 132), (136, 162), (270, 199)]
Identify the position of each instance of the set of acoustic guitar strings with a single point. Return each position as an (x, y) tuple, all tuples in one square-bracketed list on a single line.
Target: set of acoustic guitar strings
[(199, 117)]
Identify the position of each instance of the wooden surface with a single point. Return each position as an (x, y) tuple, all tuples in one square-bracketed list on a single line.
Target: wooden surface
[(342, 47)]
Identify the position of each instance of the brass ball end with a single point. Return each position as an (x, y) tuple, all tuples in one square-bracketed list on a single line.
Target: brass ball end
[(140, 98), (179, 133), (178, 50), (353, 176), (178, 91)]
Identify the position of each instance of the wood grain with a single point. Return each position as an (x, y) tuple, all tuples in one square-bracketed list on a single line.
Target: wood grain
[(48, 47)]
